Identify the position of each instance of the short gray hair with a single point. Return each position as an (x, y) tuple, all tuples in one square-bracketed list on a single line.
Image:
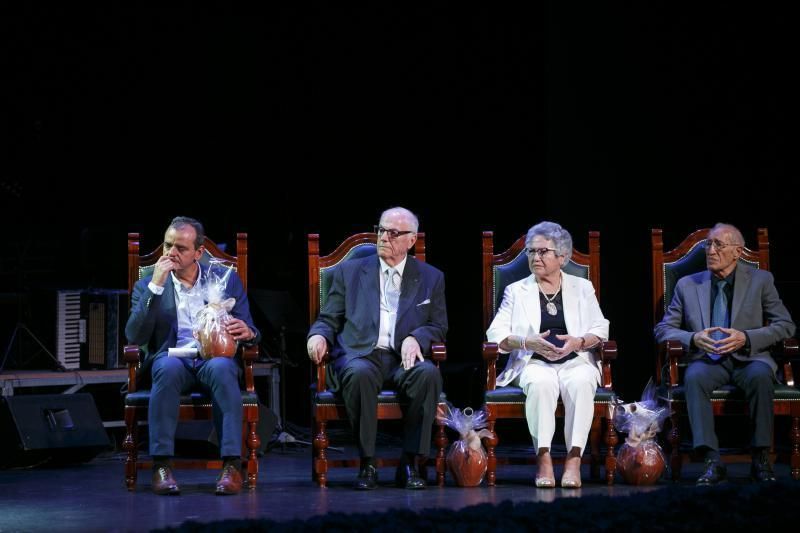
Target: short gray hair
[(731, 229), (406, 213), (552, 232)]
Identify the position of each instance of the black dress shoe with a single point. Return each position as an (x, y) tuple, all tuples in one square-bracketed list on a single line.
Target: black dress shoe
[(407, 477), (761, 470), (367, 478), (715, 473), (164, 482)]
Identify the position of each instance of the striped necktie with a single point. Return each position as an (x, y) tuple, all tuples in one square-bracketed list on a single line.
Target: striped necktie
[(391, 289)]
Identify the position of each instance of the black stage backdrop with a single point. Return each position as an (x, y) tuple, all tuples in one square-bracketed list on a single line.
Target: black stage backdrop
[(616, 118)]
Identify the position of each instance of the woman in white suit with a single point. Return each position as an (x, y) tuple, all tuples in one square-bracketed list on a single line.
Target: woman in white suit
[(549, 322)]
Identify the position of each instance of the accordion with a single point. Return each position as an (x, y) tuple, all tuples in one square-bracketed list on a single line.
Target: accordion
[(90, 328)]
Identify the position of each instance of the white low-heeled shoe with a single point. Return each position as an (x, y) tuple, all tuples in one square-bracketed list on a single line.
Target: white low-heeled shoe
[(545, 482), (570, 482)]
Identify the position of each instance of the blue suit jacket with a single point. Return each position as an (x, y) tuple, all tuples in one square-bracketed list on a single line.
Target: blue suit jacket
[(153, 322), (349, 321), (755, 303)]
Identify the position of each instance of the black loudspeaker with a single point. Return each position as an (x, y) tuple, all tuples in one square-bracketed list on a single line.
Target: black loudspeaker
[(59, 428), (199, 437)]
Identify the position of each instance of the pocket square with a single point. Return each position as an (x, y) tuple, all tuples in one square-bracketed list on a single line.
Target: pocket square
[(424, 302)]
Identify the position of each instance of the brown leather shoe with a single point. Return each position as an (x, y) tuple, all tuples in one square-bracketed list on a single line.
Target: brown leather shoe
[(164, 482), (229, 481)]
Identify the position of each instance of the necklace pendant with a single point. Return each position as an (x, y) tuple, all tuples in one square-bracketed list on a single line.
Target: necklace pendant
[(551, 309)]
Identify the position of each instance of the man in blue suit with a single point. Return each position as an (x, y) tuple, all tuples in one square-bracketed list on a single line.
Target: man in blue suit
[(162, 308), (380, 319), (719, 316)]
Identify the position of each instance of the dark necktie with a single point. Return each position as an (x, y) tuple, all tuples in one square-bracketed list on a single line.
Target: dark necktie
[(719, 315)]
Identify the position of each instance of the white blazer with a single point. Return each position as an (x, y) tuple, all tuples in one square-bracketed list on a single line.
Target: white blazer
[(520, 314)]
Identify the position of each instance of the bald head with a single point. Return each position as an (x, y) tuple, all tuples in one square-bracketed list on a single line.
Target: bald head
[(404, 214)]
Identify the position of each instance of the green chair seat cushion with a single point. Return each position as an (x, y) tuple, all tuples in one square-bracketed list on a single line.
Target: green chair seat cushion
[(512, 394), (384, 397), (728, 392), (142, 398)]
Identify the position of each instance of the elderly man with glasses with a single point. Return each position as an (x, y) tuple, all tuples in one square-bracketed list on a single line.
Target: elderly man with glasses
[(728, 317), (379, 321)]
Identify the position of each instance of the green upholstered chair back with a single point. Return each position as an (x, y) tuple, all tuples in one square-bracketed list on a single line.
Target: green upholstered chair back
[(689, 257), (145, 271), (140, 266), (321, 268), (500, 270)]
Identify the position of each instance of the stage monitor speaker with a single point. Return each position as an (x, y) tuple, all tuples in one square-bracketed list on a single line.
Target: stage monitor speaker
[(58, 428), (199, 437)]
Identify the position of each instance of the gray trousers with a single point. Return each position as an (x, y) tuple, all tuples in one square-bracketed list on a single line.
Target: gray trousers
[(419, 388), (755, 378), (173, 376)]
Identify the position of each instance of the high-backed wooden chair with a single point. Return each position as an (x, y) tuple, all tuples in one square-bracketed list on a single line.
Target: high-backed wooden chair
[(500, 270), (197, 405), (687, 258), (327, 406)]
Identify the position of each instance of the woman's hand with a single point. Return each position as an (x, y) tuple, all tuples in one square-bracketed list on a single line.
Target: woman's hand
[(539, 344), (571, 344)]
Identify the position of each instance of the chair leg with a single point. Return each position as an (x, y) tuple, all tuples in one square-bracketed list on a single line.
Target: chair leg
[(594, 446), (320, 455), (676, 462), (611, 444), (253, 443), (794, 461), (491, 458), (130, 445), (441, 444)]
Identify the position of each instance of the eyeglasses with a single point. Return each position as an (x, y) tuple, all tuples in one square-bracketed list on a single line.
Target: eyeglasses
[(541, 252), (393, 233), (719, 245)]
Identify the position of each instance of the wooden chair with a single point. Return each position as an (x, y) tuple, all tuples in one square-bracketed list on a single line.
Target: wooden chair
[(668, 267), (325, 405), (500, 270), (197, 405)]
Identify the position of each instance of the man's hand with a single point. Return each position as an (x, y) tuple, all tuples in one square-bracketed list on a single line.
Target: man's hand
[(317, 347), (163, 267), (410, 352), (703, 341), (239, 330), (735, 339)]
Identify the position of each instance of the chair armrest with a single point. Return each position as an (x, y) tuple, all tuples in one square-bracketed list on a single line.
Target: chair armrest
[(791, 347), (322, 368), (438, 353), (671, 352), (607, 352), (490, 356), (784, 353), (249, 356), (131, 354)]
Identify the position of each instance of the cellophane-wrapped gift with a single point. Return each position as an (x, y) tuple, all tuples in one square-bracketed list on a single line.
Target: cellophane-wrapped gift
[(208, 325), (640, 459), (466, 458)]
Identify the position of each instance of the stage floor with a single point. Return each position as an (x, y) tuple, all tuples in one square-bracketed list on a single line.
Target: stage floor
[(92, 496)]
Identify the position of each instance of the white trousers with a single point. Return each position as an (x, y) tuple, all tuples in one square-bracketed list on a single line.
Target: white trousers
[(576, 382)]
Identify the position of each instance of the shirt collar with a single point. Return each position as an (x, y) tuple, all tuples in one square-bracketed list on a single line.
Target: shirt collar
[(400, 267), (179, 286)]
